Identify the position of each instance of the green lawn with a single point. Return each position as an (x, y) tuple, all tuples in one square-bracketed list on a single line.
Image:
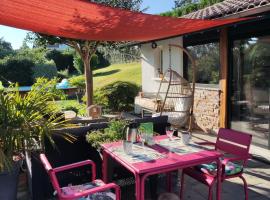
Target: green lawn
[(118, 72)]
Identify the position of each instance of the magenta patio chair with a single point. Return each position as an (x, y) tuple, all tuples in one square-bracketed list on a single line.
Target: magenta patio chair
[(235, 146), (95, 189)]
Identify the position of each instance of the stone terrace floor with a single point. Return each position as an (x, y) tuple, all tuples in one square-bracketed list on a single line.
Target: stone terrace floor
[(257, 175)]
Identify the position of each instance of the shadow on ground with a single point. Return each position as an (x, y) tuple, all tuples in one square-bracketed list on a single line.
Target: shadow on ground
[(106, 73)]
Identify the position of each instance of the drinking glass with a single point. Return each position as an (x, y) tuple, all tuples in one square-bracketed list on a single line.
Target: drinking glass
[(142, 138), (127, 147), (169, 132)]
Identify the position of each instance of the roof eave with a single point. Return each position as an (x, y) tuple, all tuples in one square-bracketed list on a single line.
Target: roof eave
[(248, 13)]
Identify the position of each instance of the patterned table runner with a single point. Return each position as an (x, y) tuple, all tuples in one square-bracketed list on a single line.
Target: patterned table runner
[(177, 147), (139, 154)]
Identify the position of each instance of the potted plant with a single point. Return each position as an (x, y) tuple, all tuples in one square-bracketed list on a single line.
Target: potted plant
[(111, 134), (25, 120)]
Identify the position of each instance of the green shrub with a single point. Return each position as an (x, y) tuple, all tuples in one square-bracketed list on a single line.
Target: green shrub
[(36, 55), (117, 96), (17, 70), (63, 74), (51, 87), (47, 70), (62, 60), (77, 81), (110, 134), (73, 105)]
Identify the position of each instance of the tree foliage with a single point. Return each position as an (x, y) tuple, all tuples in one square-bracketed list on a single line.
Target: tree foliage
[(5, 48), (62, 60), (181, 3), (17, 70), (184, 7), (36, 55), (125, 4), (24, 65)]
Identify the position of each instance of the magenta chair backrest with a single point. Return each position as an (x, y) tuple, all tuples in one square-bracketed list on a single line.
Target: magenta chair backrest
[(233, 142), (50, 172)]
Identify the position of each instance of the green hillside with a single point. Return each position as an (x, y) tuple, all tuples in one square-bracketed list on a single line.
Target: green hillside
[(118, 72)]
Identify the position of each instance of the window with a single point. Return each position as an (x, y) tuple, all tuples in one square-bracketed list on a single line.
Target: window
[(207, 63), (250, 87)]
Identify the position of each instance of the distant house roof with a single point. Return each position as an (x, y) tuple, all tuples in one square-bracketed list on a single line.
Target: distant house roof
[(228, 8)]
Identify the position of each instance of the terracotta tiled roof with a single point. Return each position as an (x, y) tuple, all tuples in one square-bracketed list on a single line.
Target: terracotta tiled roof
[(227, 7)]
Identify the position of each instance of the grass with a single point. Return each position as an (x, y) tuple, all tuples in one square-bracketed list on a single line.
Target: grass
[(130, 72)]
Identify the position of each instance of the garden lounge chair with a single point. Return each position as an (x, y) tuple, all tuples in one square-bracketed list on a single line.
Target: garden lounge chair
[(96, 189), (235, 146)]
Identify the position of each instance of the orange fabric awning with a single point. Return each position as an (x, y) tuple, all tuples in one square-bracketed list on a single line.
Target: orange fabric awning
[(80, 19)]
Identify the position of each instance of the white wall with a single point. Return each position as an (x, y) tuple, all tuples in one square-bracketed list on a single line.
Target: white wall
[(151, 59)]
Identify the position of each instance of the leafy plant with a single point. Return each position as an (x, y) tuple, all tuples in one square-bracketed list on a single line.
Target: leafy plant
[(110, 134), (77, 107), (26, 120), (63, 74), (77, 81), (117, 96)]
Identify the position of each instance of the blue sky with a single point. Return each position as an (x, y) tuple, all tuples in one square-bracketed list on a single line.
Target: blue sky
[(16, 36)]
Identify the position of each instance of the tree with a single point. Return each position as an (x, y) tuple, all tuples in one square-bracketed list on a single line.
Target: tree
[(5, 48), (184, 7), (85, 48), (62, 60), (181, 3)]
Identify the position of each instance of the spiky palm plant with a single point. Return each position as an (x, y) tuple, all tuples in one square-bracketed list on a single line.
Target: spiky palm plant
[(26, 120)]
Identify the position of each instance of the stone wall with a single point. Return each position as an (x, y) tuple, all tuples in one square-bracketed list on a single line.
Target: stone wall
[(207, 108)]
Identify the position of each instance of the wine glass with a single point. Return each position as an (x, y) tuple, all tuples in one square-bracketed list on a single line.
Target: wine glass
[(169, 132), (142, 138)]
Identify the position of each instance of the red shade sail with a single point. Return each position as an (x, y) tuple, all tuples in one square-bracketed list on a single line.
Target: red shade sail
[(80, 19)]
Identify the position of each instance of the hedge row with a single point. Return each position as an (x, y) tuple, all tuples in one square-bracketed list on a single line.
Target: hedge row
[(23, 71)]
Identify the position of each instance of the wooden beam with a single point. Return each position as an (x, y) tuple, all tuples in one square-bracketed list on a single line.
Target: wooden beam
[(223, 82)]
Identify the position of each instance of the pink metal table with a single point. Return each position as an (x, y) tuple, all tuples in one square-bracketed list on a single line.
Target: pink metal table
[(171, 162)]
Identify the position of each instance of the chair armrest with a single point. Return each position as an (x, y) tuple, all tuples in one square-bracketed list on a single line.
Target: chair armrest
[(76, 165), (97, 189)]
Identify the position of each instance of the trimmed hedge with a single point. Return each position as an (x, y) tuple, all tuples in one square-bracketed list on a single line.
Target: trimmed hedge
[(17, 70), (47, 70), (118, 96)]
